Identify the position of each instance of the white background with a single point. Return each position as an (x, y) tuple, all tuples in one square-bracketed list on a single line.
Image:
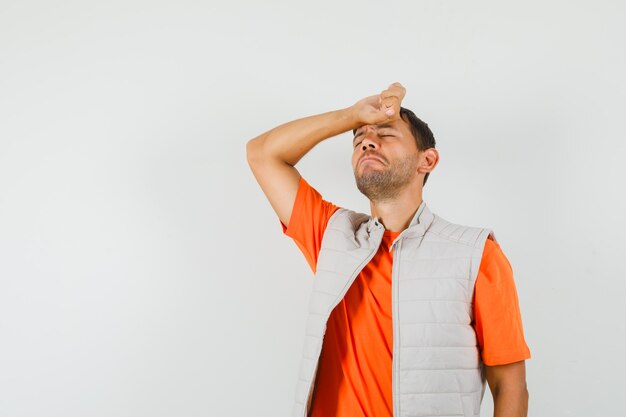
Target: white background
[(142, 270)]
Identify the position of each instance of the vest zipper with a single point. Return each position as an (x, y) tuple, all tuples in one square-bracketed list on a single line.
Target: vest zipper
[(396, 240), (395, 359)]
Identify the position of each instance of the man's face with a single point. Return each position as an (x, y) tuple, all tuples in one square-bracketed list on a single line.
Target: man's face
[(395, 159)]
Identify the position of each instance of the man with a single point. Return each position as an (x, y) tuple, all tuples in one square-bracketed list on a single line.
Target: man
[(410, 314)]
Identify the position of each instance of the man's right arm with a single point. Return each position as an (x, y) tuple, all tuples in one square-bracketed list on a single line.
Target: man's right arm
[(273, 154)]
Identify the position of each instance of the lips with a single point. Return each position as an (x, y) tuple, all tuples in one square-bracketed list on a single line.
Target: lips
[(372, 158)]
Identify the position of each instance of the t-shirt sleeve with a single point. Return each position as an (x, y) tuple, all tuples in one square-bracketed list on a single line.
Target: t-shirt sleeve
[(309, 217), (497, 318)]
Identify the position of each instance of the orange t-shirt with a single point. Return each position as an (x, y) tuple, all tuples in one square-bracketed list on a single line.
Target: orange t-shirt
[(354, 372)]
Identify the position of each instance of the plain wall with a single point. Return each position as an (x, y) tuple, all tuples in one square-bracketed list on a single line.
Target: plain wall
[(142, 270)]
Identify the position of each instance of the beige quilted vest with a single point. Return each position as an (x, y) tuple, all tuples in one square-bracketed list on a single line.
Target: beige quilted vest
[(436, 366)]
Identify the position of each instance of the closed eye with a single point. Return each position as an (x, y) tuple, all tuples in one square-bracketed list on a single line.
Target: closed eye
[(382, 136)]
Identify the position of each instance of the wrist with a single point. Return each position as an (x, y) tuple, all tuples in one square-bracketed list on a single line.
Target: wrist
[(350, 118)]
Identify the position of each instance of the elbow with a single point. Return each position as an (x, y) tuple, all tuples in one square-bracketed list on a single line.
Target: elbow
[(252, 150)]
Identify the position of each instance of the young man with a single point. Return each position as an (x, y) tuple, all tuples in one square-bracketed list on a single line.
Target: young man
[(410, 314)]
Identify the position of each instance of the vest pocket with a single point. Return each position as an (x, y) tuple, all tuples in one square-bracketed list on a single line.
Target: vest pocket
[(468, 405)]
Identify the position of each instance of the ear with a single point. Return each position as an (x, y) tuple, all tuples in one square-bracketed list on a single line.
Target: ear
[(429, 160)]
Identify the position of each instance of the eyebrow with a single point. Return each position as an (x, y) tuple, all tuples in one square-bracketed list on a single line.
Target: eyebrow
[(377, 127)]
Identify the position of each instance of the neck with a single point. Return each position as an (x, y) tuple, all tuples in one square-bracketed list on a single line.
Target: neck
[(396, 214)]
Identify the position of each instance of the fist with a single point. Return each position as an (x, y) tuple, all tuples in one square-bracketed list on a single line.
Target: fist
[(380, 108)]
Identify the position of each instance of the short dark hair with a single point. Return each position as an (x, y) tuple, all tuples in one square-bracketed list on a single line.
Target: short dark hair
[(424, 138)]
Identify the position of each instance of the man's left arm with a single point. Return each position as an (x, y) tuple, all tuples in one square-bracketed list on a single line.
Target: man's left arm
[(508, 388)]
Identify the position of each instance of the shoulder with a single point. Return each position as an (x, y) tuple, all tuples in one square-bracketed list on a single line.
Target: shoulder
[(494, 259), (346, 216), (460, 233)]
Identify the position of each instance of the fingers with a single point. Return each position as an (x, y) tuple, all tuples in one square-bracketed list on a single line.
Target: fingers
[(391, 99), (394, 90), (390, 105), (387, 104), (381, 107)]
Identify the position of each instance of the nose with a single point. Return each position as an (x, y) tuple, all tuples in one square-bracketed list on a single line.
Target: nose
[(369, 138)]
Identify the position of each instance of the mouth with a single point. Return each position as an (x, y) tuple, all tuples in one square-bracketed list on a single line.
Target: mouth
[(369, 158)]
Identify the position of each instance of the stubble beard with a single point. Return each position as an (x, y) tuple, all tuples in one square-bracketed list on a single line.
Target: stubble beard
[(381, 183)]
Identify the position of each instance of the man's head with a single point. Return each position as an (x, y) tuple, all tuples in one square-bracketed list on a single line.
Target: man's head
[(401, 147)]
